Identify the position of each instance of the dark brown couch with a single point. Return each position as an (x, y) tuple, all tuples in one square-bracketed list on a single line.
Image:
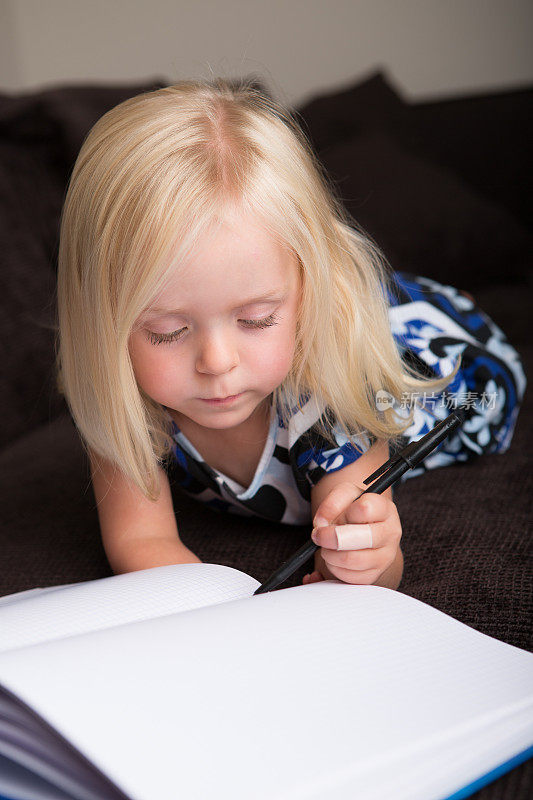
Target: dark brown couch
[(443, 189)]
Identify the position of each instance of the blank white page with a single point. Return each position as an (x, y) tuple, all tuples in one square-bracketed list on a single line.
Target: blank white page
[(308, 692), (56, 612)]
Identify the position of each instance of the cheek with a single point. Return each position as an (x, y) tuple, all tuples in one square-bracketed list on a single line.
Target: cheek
[(275, 358), (152, 369)]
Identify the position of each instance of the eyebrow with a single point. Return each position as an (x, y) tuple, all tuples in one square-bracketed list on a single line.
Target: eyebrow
[(277, 294)]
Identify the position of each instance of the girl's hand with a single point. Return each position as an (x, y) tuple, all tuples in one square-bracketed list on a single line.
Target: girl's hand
[(361, 542)]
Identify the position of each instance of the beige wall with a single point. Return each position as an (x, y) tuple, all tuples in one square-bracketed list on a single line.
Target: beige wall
[(428, 48)]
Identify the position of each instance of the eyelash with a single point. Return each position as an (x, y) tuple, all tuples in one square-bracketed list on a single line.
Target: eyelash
[(167, 338)]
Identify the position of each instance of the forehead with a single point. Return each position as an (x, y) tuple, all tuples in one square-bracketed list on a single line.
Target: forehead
[(238, 235), (237, 260)]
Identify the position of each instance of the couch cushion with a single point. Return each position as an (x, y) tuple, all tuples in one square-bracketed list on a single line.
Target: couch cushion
[(369, 104), (485, 138), (427, 220), (40, 136)]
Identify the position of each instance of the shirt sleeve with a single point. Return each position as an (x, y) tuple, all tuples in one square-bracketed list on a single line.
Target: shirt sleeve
[(313, 456)]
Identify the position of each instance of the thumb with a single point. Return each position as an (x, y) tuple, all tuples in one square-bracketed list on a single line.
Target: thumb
[(336, 502)]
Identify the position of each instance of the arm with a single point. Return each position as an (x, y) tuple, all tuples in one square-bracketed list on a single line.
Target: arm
[(137, 533), (334, 494)]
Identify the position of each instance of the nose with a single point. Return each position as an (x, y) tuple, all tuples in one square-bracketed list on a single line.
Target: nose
[(217, 353)]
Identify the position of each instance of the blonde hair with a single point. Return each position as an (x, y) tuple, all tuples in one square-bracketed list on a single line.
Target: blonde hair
[(153, 173)]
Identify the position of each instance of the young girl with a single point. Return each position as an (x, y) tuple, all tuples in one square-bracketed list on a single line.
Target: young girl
[(225, 323)]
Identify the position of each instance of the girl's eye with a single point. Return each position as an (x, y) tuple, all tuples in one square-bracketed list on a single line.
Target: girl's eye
[(161, 338)]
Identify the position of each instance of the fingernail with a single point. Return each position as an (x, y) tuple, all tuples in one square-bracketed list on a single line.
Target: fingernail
[(320, 522), (314, 536), (353, 537)]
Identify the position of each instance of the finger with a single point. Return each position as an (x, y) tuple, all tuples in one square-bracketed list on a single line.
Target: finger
[(325, 537), (356, 537), (335, 503), (366, 577), (344, 537), (314, 577), (360, 536), (359, 560), (370, 507)]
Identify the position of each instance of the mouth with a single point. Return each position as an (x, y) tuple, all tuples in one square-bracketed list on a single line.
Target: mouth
[(221, 400)]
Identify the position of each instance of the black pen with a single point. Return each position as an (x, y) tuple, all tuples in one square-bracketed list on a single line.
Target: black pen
[(385, 476)]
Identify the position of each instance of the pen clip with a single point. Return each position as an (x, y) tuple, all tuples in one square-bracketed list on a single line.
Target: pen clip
[(384, 467), (413, 453), (401, 455)]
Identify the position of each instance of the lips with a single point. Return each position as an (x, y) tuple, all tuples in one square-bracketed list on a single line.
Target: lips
[(221, 401)]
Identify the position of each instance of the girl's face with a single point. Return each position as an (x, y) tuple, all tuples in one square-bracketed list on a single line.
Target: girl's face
[(213, 332)]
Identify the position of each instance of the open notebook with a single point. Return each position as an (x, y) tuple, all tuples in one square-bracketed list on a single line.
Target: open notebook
[(177, 682)]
